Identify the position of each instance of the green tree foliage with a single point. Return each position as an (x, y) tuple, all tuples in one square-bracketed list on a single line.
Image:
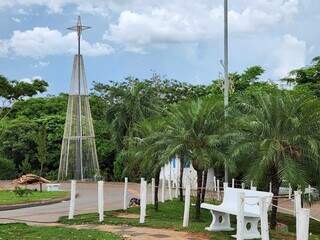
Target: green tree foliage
[(132, 101), (247, 83), (7, 169), (11, 91), (145, 154), (307, 78), (277, 137), (25, 166), (41, 141)]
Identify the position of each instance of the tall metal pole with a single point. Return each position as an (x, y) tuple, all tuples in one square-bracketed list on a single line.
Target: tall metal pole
[(226, 71), (79, 128)]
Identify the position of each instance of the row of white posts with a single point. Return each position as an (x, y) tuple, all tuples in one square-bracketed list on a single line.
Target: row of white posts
[(302, 214), (143, 194), (100, 200)]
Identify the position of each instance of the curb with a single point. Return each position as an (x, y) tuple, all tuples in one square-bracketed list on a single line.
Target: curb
[(34, 204)]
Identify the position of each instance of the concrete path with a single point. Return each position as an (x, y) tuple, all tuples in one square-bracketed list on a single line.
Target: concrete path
[(85, 203)]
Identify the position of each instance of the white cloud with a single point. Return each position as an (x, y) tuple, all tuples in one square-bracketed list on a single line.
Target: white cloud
[(193, 21), (41, 64), (30, 80), (290, 54), (4, 48), (17, 20), (41, 42), (57, 6)]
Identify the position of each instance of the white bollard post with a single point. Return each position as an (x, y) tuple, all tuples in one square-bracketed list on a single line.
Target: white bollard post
[(163, 182), (270, 187), (242, 186), (309, 193), (264, 219), (251, 184), (72, 199), (303, 217), (100, 201), (145, 198), (240, 217), (297, 201), (152, 190), (214, 183), (125, 194), (142, 200), (169, 182), (218, 190), (290, 191), (232, 182), (177, 187), (141, 189), (186, 204)]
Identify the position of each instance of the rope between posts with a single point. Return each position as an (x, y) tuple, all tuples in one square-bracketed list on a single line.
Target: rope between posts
[(282, 208), (316, 219)]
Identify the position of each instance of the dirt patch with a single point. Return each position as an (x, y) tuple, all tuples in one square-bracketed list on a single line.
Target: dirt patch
[(139, 233)]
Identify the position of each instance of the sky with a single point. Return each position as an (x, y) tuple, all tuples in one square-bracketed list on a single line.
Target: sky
[(179, 39)]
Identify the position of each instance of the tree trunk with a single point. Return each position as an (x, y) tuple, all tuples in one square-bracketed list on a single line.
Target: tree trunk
[(181, 177), (199, 185), (204, 185), (275, 181), (41, 168), (156, 191)]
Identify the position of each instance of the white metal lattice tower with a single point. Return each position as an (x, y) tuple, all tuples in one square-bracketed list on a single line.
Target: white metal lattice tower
[(78, 159)]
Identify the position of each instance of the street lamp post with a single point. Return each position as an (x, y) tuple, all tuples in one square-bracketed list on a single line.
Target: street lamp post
[(226, 73)]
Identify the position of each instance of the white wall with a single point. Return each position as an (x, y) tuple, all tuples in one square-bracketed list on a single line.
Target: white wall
[(187, 172)]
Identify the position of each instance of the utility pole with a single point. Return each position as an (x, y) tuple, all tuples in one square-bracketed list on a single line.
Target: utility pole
[(226, 72)]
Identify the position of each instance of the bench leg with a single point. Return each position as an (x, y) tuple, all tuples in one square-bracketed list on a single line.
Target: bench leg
[(250, 230), (220, 222)]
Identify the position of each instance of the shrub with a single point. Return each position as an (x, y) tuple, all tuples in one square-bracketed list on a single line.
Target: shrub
[(22, 191), (7, 169)]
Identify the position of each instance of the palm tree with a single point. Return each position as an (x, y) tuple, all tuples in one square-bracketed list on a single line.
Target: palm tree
[(277, 137), (194, 128), (146, 147)]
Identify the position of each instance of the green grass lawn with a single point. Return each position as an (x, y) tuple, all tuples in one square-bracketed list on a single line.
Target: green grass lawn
[(20, 231), (9, 197), (170, 215)]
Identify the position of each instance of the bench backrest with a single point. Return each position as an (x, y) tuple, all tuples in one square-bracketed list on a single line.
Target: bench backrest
[(231, 197)]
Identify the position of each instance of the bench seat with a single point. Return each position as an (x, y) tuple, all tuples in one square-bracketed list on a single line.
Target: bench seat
[(226, 209), (230, 206)]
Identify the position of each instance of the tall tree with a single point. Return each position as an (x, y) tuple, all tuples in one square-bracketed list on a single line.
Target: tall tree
[(195, 128), (11, 91), (306, 77), (41, 141), (277, 137), (145, 150)]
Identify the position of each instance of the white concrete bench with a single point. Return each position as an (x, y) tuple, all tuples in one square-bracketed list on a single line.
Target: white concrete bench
[(53, 187), (221, 213)]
